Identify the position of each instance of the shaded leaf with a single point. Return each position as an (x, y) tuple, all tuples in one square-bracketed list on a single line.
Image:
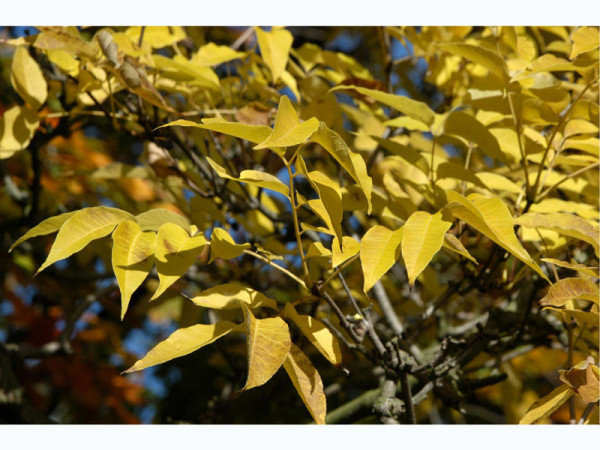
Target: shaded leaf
[(183, 342), (491, 217), (581, 268), (132, 258), (547, 405), (268, 344), (352, 162), (585, 39), (454, 244), (175, 252), (307, 382), (17, 127), (379, 250), (317, 333), (423, 237), (82, 228), (231, 295), (584, 381), (570, 289), (479, 55)]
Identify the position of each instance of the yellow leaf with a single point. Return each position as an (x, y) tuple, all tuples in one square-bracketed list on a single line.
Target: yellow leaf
[(48, 226), (132, 258), (423, 237), (264, 180), (317, 250), (479, 55), (176, 251), (453, 244), (491, 217), (223, 246), (583, 317), (550, 63), (408, 154), (352, 162), (349, 248), (379, 250), (307, 382), (570, 289), (212, 54), (153, 219), (461, 124), (412, 108), (288, 130), (579, 126), (17, 127), (251, 133), (157, 37), (585, 39), (268, 343), (547, 405), (567, 224), (229, 296), (406, 122), (183, 70), (583, 380), (317, 333), (275, 46), (581, 268), (82, 228), (183, 342), (27, 79)]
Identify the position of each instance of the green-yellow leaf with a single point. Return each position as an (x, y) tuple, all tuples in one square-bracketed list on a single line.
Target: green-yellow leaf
[(585, 39), (570, 289), (82, 228), (412, 108), (307, 382), (479, 55), (229, 296), (288, 130), (175, 252), (223, 246), (547, 405), (275, 46), (153, 219), (423, 237), (581, 268), (567, 224), (459, 123), (27, 79), (183, 342), (251, 133), (379, 250), (268, 344), (17, 127), (212, 54), (263, 180), (317, 333), (132, 258), (349, 248), (491, 217), (352, 162), (48, 226)]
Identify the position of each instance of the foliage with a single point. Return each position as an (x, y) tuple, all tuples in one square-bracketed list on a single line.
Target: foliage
[(406, 249)]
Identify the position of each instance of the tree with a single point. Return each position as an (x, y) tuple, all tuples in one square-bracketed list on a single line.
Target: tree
[(406, 232)]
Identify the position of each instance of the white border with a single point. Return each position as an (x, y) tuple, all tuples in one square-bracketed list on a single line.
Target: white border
[(300, 12)]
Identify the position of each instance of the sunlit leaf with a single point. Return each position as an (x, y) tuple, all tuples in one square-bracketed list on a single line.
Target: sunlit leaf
[(423, 237), (223, 246), (275, 48), (347, 250), (153, 219), (132, 258), (268, 343), (48, 226), (585, 39), (288, 130), (27, 79), (82, 228), (317, 333), (307, 382), (379, 250), (231, 295), (183, 342)]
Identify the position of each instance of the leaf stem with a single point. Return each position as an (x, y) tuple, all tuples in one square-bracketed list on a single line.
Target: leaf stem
[(278, 267)]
